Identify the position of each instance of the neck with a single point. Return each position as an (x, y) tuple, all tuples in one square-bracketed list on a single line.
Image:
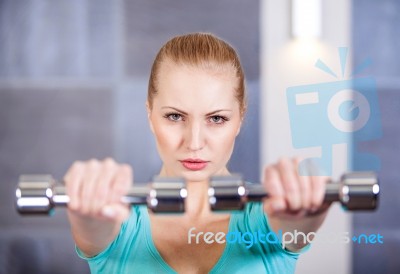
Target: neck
[(197, 205)]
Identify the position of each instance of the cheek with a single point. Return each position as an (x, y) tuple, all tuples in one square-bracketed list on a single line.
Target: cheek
[(225, 141), (167, 138)]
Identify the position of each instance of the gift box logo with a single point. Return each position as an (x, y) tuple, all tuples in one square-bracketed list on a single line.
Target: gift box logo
[(339, 112)]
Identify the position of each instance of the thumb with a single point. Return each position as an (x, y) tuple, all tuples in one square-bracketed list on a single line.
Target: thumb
[(273, 206), (116, 212)]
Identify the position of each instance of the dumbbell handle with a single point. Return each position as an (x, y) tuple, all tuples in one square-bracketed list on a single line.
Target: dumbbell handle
[(355, 191), (39, 194)]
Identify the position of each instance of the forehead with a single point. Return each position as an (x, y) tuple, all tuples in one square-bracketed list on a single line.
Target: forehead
[(192, 87)]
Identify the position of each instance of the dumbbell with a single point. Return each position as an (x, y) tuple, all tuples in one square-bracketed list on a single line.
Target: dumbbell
[(40, 193), (355, 191)]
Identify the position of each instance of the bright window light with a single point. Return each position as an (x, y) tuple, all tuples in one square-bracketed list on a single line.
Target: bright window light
[(306, 18)]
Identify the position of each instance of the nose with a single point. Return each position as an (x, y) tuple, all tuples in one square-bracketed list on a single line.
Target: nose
[(195, 136)]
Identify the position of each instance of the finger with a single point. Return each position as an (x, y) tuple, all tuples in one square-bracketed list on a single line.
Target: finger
[(304, 185), (275, 201), (88, 185), (290, 184), (103, 184), (73, 181), (121, 183), (318, 191)]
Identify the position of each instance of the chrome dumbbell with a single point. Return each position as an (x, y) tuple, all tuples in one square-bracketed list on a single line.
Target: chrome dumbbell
[(355, 191), (40, 194)]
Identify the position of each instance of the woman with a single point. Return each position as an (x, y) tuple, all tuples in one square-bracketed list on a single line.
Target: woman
[(196, 104)]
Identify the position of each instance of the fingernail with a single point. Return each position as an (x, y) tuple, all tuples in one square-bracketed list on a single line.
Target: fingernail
[(108, 212)]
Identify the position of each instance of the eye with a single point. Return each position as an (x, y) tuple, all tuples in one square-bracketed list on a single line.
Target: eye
[(217, 119), (174, 117)]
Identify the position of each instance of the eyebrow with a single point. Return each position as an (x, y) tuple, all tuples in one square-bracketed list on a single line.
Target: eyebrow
[(185, 113)]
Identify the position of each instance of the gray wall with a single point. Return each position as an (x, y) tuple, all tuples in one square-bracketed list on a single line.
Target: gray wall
[(376, 35), (73, 80)]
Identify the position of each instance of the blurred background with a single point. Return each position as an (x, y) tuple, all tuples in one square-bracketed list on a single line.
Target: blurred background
[(73, 83)]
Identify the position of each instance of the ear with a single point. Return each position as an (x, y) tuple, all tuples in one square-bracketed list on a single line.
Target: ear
[(148, 109), (239, 127)]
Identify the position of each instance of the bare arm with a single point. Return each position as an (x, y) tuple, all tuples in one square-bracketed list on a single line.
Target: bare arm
[(95, 211)]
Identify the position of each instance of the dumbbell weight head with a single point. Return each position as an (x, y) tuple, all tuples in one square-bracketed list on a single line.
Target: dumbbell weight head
[(167, 195), (359, 191), (33, 195), (227, 193)]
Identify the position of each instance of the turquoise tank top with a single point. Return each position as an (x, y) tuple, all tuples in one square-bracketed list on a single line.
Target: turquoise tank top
[(133, 250)]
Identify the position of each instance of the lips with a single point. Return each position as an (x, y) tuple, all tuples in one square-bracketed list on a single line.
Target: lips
[(194, 164)]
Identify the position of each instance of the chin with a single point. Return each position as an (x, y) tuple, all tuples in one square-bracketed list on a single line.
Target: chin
[(196, 176)]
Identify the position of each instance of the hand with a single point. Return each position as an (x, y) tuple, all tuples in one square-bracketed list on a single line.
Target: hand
[(292, 195), (95, 189)]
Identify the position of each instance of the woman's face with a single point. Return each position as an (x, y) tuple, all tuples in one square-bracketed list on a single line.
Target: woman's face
[(195, 118)]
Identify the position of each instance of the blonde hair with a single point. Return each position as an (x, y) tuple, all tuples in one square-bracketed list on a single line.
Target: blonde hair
[(202, 50)]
